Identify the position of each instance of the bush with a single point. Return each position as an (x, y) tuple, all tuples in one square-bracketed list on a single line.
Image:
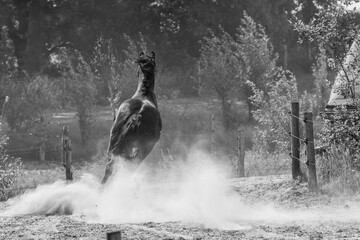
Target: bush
[(337, 173), (28, 100), (341, 136), (10, 169)]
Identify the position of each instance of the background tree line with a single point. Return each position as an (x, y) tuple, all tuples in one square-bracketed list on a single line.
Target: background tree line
[(174, 29), (58, 53)]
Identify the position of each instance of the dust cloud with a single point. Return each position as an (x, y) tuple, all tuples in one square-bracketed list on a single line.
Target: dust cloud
[(196, 190)]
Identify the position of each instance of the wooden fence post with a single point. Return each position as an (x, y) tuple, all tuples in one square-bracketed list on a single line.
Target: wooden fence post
[(66, 153), (310, 150), (295, 140), (241, 152), (42, 149), (113, 235), (212, 131)]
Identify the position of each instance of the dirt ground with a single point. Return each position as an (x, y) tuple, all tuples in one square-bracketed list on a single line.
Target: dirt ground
[(324, 218)]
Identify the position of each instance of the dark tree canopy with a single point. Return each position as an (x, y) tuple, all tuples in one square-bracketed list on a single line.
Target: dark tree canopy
[(172, 28)]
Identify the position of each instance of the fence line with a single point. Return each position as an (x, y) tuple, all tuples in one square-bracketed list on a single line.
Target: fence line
[(30, 149)]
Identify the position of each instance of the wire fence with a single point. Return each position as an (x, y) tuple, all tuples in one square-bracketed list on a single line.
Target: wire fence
[(301, 140), (296, 142)]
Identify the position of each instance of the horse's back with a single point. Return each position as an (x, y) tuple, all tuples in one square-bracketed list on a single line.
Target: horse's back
[(138, 122)]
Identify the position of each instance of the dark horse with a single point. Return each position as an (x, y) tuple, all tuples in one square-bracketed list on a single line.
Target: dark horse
[(137, 126)]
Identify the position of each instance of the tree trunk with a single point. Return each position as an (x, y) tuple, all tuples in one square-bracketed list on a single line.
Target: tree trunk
[(84, 125), (27, 35), (248, 93), (19, 34), (250, 110), (36, 40), (226, 113)]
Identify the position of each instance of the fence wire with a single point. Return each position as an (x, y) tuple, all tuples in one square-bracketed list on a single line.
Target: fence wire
[(302, 141), (301, 119)]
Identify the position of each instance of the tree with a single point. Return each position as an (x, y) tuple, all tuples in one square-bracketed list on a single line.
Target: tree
[(257, 54), (38, 28), (107, 68), (7, 62), (272, 109), (127, 82), (322, 85), (80, 89), (219, 70), (336, 30)]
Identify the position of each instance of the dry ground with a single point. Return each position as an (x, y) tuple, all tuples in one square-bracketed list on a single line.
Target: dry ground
[(324, 218)]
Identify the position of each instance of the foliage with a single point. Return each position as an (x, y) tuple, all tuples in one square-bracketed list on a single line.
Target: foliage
[(129, 70), (342, 131), (29, 100), (337, 174), (7, 58), (257, 54), (226, 63), (219, 65), (334, 30), (272, 111), (118, 74), (80, 89), (174, 27), (107, 68), (10, 169), (43, 92), (340, 165), (219, 70)]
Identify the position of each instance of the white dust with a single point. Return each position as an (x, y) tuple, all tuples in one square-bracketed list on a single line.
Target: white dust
[(194, 191)]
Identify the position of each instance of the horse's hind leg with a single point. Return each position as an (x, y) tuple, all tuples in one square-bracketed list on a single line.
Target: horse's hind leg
[(108, 170)]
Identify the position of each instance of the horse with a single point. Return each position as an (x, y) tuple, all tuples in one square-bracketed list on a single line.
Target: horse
[(137, 126)]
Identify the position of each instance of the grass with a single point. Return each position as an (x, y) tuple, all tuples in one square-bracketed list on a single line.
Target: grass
[(337, 174), (261, 164)]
